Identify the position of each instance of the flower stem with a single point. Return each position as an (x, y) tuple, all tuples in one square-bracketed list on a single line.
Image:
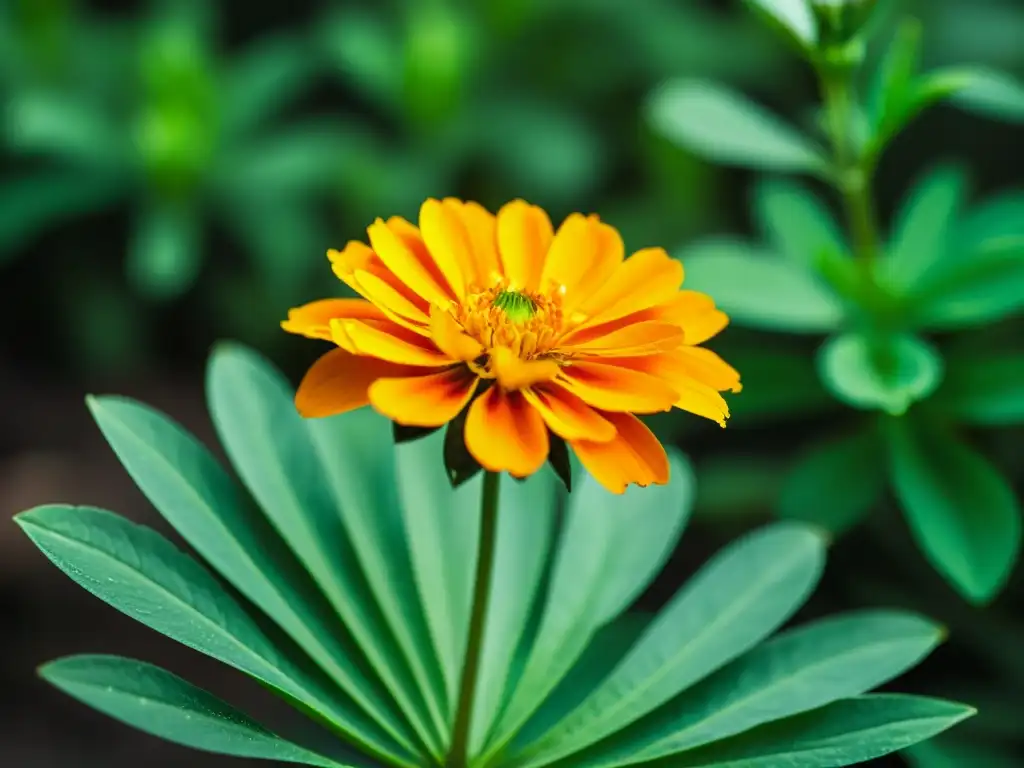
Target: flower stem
[(458, 753)]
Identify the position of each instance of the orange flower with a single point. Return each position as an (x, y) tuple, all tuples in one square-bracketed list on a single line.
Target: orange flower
[(537, 332)]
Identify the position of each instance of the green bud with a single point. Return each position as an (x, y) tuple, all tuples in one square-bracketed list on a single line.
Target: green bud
[(517, 307), (839, 21)]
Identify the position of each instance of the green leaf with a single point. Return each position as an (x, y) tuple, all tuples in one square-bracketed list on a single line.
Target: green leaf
[(923, 229), (798, 225), (611, 547), (262, 80), (140, 573), (984, 287), (792, 18), (725, 127), (1000, 216), (162, 704), (365, 49), (887, 373), (953, 753), (801, 670), (844, 733), (32, 203), (742, 595), (165, 255), (271, 448), (987, 390), (893, 98), (988, 93), (963, 513), (835, 483), (358, 458), (759, 289), (66, 128), (187, 486)]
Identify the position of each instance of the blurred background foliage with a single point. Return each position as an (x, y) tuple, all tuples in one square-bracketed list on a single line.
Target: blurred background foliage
[(173, 173)]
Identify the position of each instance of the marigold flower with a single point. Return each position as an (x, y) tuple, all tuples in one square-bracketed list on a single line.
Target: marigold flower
[(538, 333)]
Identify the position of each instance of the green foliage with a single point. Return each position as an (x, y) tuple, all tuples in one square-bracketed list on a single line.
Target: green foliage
[(354, 574), (944, 267)]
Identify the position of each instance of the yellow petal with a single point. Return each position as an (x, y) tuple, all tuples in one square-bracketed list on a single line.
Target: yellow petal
[(514, 373), (504, 433), (637, 339), (400, 256), (424, 401), (702, 400), (648, 277), (705, 366), (696, 313), (339, 382), (567, 415), (634, 456), (449, 243), (694, 396), (391, 302), (584, 254), (482, 227), (387, 341), (524, 237), (450, 338), (313, 320), (612, 387)]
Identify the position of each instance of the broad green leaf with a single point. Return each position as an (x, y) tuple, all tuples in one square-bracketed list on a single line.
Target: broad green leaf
[(777, 383), (836, 482), (162, 704), (358, 458), (263, 79), (798, 225), (197, 497), (954, 753), (366, 50), (886, 373), (793, 18), (526, 530), (987, 390), (442, 529), (844, 733), (989, 93), (165, 254), (892, 100), (140, 573), (271, 448), (760, 289), (1000, 216), (798, 671), (725, 127), (66, 128), (963, 513), (583, 589), (735, 601), (923, 229), (983, 287)]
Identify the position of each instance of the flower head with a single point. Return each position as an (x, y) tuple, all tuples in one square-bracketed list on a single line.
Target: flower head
[(532, 335)]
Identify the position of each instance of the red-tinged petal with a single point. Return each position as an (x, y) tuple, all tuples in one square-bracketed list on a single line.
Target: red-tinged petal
[(504, 433), (524, 237), (398, 251), (637, 339), (696, 313), (647, 278), (567, 415), (424, 401), (313, 320), (445, 233), (388, 342), (613, 387), (339, 382), (633, 457)]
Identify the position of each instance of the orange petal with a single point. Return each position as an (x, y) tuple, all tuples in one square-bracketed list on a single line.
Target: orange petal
[(696, 313), (359, 257), (612, 387), (568, 416), (338, 382), (648, 277), (450, 338), (387, 341), (705, 366), (391, 302), (448, 242), (313, 320), (504, 433), (583, 255), (524, 237), (515, 373), (694, 396), (634, 456), (397, 248), (702, 400), (482, 227), (424, 401), (638, 339)]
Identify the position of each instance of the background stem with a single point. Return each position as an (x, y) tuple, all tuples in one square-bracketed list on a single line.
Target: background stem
[(458, 753)]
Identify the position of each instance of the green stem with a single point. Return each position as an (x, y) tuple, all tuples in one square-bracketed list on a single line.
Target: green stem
[(458, 754)]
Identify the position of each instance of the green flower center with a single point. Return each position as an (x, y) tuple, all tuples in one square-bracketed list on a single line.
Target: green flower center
[(517, 307)]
